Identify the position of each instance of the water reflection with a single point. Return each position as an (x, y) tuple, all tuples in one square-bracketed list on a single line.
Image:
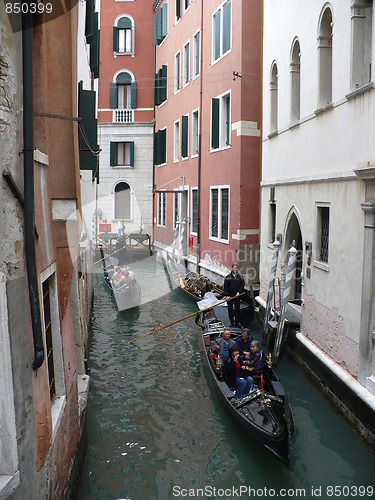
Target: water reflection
[(154, 421)]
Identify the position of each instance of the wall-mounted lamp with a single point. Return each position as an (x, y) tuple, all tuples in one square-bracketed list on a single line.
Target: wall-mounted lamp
[(100, 213)]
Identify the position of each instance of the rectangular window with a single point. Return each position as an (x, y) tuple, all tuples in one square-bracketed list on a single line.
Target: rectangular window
[(196, 54), (176, 149), (194, 211), (220, 122), (122, 154), (186, 4), (160, 147), (175, 210), (361, 43), (186, 76), (162, 200), (195, 133), (48, 336), (219, 213), (222, 30), (178, 9), (125, 40), (272, 232), (177, 72), (185, 136), (323, 233)]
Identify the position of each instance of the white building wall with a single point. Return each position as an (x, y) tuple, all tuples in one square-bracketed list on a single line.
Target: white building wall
[(313, 161), (138, 177)]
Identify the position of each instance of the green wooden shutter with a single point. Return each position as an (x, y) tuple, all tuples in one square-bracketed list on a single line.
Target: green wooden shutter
[(178, 9), (88, 139), (155, 28), (112, 154), (184, 136), (163, 83), (161, 146), (164, 25), (115, 39), (155, 148), (95, 47), (89, 23), (159, 20), (156, 89), (133, 95), (113, 96), (132, 154), (215, 123)]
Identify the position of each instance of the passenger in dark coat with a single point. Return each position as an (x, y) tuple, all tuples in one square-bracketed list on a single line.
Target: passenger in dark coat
[(234, 285), (256, 361), (243, 342)]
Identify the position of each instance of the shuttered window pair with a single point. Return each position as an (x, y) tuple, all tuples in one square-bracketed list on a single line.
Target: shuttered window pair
[(122, 154), (123, 36), (219, 213), (160, 147), (123, 92), (161, 82), (220, 122), (160, 24)]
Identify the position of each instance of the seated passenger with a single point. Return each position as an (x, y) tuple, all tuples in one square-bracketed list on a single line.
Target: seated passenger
[(235, 376), (256, 362), (243, 342), (225, 343)]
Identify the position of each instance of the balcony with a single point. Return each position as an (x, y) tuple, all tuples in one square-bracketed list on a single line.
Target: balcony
[(125, 115)]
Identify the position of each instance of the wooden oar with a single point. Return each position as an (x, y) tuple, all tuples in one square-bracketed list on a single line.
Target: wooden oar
[(183, 319)]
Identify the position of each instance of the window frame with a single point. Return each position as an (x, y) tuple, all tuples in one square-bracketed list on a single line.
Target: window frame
[(117, 52), (186, 65), (176, 209), (319, 262), (177, 72), (194, 154), (176, 141), (219, 238), (192, 218), (221, 54), (130, 218), (162, 208), (195, 57), (224, 132)]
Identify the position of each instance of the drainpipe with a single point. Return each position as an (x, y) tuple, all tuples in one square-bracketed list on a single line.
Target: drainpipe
[(28, 163), (200, 146)]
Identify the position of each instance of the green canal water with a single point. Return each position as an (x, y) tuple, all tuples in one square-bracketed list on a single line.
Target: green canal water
[(157, 430)]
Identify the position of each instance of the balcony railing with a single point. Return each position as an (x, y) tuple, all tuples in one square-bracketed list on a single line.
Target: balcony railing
[(125, 115)]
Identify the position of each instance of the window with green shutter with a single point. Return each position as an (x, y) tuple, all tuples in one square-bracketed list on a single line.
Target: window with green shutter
[(160, 147), (87, 130), (227, 22), (123, 36), (95, 47), (163, 82), (122, 154), (89, 22), (184, 136), (178, 9), (215, 123), (164, 24)]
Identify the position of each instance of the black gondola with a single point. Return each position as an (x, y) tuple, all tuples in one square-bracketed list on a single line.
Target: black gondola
[(265, 412)]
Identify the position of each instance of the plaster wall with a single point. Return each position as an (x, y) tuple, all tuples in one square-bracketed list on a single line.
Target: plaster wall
[(351, 128)]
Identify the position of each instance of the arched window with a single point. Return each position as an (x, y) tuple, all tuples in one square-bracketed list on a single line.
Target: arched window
[(123, 36), (274, 98), (122, 201), (123, 96), (295, 65), (325, 58)]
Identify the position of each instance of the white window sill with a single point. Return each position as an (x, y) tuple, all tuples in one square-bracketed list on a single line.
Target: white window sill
[(221, 57), (361, 90), (185, 84), (219, 240), (222, 148), (195, 77), (184, 158), (115, 54), (159, 225), (176, 161), (193, 234), (176, 91), (321, 265), (161, 104), (195, 155), (123, 166)]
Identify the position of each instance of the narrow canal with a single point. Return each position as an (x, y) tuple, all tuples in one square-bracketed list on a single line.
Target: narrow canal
[(156, 426)]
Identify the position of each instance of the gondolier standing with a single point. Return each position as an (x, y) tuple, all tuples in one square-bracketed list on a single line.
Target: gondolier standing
[(234, 285)]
